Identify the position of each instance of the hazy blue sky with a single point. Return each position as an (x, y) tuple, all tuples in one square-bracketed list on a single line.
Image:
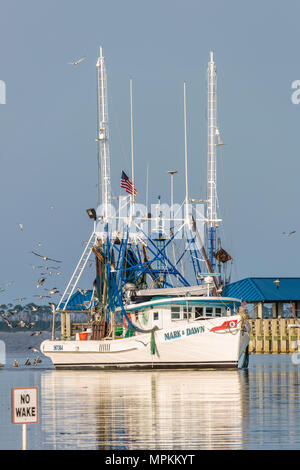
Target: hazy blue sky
[(48, 126)]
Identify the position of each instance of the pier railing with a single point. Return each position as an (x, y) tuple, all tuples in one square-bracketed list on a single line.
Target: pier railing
[(274, 335)]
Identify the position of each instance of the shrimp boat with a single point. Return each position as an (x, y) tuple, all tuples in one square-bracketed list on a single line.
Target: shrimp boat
[(156, 301)]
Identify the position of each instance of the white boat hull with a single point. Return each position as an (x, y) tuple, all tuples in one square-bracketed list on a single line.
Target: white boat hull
[(197, 344)]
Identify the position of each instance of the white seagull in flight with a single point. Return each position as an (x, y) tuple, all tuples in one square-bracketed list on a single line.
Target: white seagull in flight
[(77, 61), (45, 258), (289, 233)]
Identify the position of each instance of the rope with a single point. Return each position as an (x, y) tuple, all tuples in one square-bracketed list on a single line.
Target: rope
[(131, 326)]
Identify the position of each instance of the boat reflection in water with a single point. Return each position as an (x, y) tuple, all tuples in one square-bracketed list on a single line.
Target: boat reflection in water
[(144, 410)]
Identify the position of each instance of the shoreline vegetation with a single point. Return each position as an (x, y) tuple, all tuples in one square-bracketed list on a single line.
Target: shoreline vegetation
[(30, 317)]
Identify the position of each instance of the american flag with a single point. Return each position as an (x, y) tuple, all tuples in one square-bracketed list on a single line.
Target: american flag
[(127, 184)]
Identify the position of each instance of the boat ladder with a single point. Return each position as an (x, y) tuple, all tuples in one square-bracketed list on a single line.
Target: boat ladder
[(77, 273)]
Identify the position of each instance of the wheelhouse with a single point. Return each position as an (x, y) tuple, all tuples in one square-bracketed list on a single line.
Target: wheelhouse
[(166, 312)]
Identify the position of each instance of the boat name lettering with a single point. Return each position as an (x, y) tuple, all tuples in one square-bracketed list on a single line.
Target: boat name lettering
[(172, 335), (189, 331), (194, 330), (58, 347)]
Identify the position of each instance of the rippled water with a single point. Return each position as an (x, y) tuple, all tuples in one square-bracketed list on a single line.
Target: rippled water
[(229, 409)]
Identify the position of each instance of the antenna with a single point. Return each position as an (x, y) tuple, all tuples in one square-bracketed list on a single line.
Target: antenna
[(172, 173), (185, 147), (103, 136), (131, 138), (147, 187)]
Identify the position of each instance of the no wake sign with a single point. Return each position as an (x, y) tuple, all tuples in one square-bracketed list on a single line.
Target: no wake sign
[(25, 405)]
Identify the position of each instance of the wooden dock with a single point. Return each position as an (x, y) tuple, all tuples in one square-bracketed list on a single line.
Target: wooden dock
[(274, 335)]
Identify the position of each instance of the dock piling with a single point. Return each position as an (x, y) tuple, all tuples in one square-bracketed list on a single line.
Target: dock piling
[(274, 335)]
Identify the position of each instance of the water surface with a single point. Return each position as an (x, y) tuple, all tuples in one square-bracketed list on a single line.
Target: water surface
[(205, 409)]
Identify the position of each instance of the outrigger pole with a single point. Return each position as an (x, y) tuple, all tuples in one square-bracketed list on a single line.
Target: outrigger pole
[(213, 246), (185, 149), (211, 212), (103, 136), (132, 152), (63, 303), (103, 152)]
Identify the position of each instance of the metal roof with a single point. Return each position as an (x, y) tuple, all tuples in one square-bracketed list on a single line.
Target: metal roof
[(264, 289)]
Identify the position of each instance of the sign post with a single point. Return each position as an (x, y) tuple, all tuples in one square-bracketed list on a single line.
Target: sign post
[(25, 409), (24, 436)]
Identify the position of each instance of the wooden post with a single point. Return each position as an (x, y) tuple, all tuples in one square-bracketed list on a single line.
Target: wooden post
[(292, 337), (283, 334), (68, 325), (252, 342), (255, 310), (258, 310), (267, 336), (275, 335), (63, 324), (259, 337), (53, 324), (295, 337), (274, 309)]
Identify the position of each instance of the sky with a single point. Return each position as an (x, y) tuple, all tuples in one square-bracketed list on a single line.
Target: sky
[(48, 152)]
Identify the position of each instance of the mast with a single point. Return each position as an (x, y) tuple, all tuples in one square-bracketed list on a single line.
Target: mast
[(132, 198), (185, 149), (147, 188), (211, 211), (103, 136)]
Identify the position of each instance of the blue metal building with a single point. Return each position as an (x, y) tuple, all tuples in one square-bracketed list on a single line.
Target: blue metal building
[(263, 290)]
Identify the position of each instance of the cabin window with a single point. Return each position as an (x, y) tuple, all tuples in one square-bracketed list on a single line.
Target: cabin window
[(175, 309), (175, 315), (218, 312), (155, 315), (198, 312), (209, 311), (187, 312)]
